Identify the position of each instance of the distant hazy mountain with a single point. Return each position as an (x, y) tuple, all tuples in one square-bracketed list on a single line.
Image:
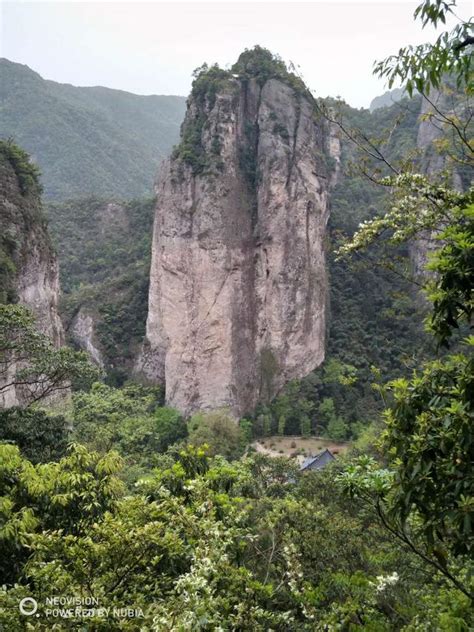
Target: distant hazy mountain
[(87, 140), (387, 99)]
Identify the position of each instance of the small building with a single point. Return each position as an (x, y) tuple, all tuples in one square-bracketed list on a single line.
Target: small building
[(317, 462)]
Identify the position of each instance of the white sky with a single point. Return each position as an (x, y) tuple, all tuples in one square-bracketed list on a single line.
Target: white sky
[(153, 47)]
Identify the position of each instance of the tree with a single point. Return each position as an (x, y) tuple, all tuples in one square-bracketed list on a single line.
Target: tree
[(40, 436), (305, 426), (336, 428), (169, 426), (29, 361), (426, 498), (425, 66), (450, 288), (292, 406), (281, 425), (429, 436), (218, 430), (129, 420), (66, 497)]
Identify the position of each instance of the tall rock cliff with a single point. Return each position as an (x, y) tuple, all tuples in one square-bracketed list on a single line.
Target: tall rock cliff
[(29, 268), (238, 283)]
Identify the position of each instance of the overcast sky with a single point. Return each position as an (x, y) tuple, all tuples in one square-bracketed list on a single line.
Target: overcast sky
[(152, 47)]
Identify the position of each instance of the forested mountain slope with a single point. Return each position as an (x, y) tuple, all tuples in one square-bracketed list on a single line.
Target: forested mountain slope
[(104, 247), (87, 140)]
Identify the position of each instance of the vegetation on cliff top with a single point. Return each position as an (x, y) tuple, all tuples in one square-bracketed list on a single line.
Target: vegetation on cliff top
[(21, 214), (26, 171), (261, 64), (257, 63), (206, 85)]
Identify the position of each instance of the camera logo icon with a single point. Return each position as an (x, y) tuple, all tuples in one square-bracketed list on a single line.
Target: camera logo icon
[(28, 606)]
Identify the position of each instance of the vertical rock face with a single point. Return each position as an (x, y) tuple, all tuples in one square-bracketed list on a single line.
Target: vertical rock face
[(83, 334), (38, 287), (29, 265), (238, 283)]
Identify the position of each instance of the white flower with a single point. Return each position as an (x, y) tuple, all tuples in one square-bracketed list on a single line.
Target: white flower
[(386, 580)]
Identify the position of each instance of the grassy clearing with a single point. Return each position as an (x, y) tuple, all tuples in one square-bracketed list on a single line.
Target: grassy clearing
[(297, 446)]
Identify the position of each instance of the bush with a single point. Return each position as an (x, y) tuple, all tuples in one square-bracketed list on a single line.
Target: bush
[(206, 85), (218, 430), (260, 63), (40, 437), (26, 172), (169, 427)]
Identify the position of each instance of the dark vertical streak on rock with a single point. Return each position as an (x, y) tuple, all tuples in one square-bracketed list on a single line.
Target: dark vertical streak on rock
[(309, 273), (295, 138)]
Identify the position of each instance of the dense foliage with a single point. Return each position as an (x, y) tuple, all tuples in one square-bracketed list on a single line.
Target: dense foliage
[(426, 497), (104, 249), (429, 429), (131, 420), (204, 544), (41, 436)]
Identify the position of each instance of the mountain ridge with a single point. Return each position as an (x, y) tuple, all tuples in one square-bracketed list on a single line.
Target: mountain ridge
[(94, 140)]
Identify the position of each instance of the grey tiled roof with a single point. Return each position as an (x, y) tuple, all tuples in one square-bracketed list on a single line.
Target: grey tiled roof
[(318, 461)]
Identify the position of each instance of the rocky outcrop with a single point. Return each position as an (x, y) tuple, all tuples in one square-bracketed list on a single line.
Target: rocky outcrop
[(387, 99), (38, 287), (29, 265), (83, 335), (334, 148), (238, 283)]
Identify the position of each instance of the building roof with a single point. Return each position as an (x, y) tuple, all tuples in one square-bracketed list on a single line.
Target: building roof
[(317, 462)]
